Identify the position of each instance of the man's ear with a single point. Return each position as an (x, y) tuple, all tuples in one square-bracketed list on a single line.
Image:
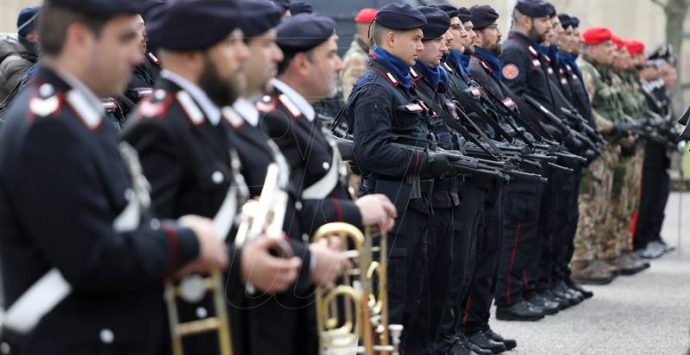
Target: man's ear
[(78, 38), (300, 64)]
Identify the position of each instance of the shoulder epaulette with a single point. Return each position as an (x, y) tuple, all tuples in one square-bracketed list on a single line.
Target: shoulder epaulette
[(194, 113), (46, 102)]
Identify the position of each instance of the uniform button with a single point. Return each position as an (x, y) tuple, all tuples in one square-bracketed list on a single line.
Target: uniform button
[(45, 90), (326, 165), (298, 206), (107, 336), (129, 194), (159, 94), (201, 312), (217, 177), (155, 224), (305, 238), (5, 348)]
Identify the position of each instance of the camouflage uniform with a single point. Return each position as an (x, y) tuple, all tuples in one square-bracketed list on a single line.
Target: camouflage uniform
[(628, 177), (355, 62), (593, 229)]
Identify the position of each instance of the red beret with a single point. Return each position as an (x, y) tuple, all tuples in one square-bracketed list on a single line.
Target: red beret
[(619, 42), (366, 15), (635, 47), (597, 35)]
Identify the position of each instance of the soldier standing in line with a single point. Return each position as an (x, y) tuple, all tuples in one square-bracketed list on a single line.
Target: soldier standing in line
[(597, 58)]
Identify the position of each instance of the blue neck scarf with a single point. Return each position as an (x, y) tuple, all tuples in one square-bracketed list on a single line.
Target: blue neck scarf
[(491, 59), (455, 61), (398, 68), (435, 75), (571, 59), (555, 55)]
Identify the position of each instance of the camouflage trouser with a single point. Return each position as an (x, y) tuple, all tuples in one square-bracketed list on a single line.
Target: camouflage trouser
[(595, 194), (624, 202)]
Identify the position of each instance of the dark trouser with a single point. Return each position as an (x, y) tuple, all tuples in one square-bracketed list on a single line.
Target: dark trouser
[(570, 227), (656, 185), (280, 324), (558, 225), (408, 269), (520, 240), (464, 246), (436, 285), (477, 304)]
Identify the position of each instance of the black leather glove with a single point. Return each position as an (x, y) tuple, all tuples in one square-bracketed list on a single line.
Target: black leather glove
[(441, 166)]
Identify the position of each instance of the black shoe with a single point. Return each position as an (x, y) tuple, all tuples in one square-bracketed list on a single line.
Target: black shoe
[(547, 305), (461, 346), (550, 295), (481, 340), (575, 286), (509, 343), (576, 296), (570, 299), (521, 311)]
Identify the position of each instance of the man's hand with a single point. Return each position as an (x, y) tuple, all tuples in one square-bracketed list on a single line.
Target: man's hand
[(264, 271), (328, 265), (212, 251), (377, 210)]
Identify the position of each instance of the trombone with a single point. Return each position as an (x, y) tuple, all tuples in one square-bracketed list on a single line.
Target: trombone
[(192, 289), (352, 318)]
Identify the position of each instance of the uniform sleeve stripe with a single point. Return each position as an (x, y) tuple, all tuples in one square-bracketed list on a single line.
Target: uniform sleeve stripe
[(172, 237), (416, 162), (338, 209)]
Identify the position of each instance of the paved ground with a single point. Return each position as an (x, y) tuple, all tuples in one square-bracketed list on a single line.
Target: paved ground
[(648, 313)]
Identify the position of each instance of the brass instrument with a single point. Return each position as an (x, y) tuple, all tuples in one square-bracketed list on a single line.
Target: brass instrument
[(352, 318), (219, 323)]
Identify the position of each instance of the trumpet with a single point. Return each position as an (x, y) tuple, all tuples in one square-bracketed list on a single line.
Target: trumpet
[(352, 318)]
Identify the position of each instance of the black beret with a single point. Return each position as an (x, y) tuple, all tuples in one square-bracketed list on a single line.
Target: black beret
[(300, 7), (303, 32), (534, 8), (185, 25), (575, 21), (284, 4), (259, 16), (464, 14), (566, 20), (552, 9), (450, 10), (437, 22), (483, 16), (398, 16), (102, 7)]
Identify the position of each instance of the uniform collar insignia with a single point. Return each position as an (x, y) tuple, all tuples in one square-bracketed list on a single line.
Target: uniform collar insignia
[(90, 116), (193, 111)]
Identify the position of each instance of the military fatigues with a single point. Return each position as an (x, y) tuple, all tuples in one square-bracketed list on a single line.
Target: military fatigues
[(74, 221), (592, 238), (628, 199), (355, 63)]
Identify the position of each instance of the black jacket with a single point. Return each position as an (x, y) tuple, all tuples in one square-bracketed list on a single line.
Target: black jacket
[(62, 185)]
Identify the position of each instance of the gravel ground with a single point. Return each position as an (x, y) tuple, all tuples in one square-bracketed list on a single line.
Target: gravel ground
[(648, 313)]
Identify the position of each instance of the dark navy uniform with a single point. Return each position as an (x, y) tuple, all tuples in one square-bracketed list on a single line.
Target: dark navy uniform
[(185, 146), (655, 176), (523, 74), (445, 223), (383, 109), (66, 222)]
